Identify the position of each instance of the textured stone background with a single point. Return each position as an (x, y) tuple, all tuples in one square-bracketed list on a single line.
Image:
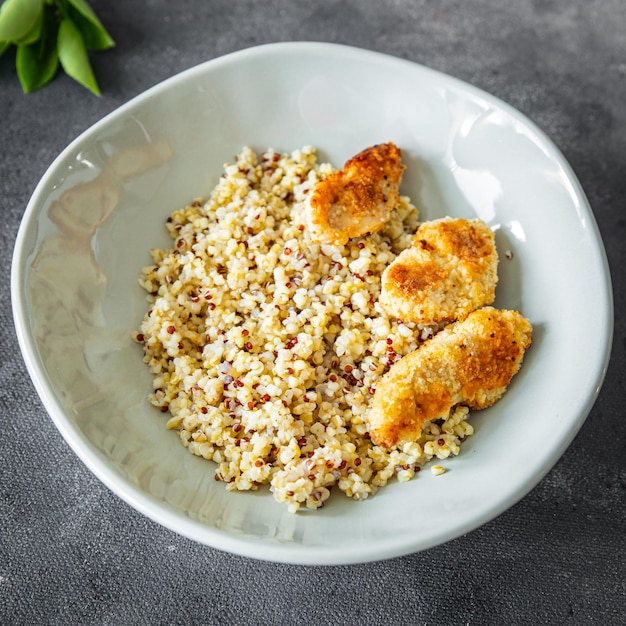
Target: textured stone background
[(73, 553)]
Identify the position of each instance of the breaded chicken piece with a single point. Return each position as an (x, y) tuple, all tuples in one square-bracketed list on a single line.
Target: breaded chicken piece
[(358, 199), (469, 362), (450, 270)]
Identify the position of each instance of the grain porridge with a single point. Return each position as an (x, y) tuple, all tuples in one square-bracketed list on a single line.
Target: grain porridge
[(266, 347)]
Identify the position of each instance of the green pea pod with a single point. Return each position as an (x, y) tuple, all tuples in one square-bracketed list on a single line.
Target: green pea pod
[(37, 63), (73, 56), (18, 17), (94, 34)]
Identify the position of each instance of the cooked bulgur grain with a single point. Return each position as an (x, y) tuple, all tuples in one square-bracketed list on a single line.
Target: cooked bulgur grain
[(266, 347)]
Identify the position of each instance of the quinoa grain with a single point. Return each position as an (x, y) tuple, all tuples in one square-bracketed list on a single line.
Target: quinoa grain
[(266, 347)]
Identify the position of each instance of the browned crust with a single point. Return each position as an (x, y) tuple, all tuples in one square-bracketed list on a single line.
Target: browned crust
[(450, 270), (357, 199), (470, 362)]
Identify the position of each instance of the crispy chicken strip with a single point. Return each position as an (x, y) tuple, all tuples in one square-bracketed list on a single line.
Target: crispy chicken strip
[(469, 362), (358, 199), (450, 270)]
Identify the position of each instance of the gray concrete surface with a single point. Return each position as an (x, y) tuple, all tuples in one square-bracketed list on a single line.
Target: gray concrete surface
[(71, 552)]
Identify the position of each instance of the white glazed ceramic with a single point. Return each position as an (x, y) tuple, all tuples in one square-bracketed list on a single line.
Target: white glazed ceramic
[(100, 208)]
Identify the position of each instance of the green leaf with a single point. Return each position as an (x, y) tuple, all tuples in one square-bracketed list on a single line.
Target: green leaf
[(73, 56), (34, 33), (3, 46), (34, 71), (94, 34), (37, 63), (17, 18)]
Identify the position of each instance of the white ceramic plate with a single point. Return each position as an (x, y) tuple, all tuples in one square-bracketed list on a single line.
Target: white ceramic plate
[(101, 205)]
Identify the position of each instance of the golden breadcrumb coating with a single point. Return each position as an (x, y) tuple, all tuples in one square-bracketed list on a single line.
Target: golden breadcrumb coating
[(358, 199), (450, 270), (470, 362)]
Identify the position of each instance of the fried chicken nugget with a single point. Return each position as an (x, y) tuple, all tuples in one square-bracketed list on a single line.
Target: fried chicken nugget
[(470, 362), (358, 199), (450, 270)]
